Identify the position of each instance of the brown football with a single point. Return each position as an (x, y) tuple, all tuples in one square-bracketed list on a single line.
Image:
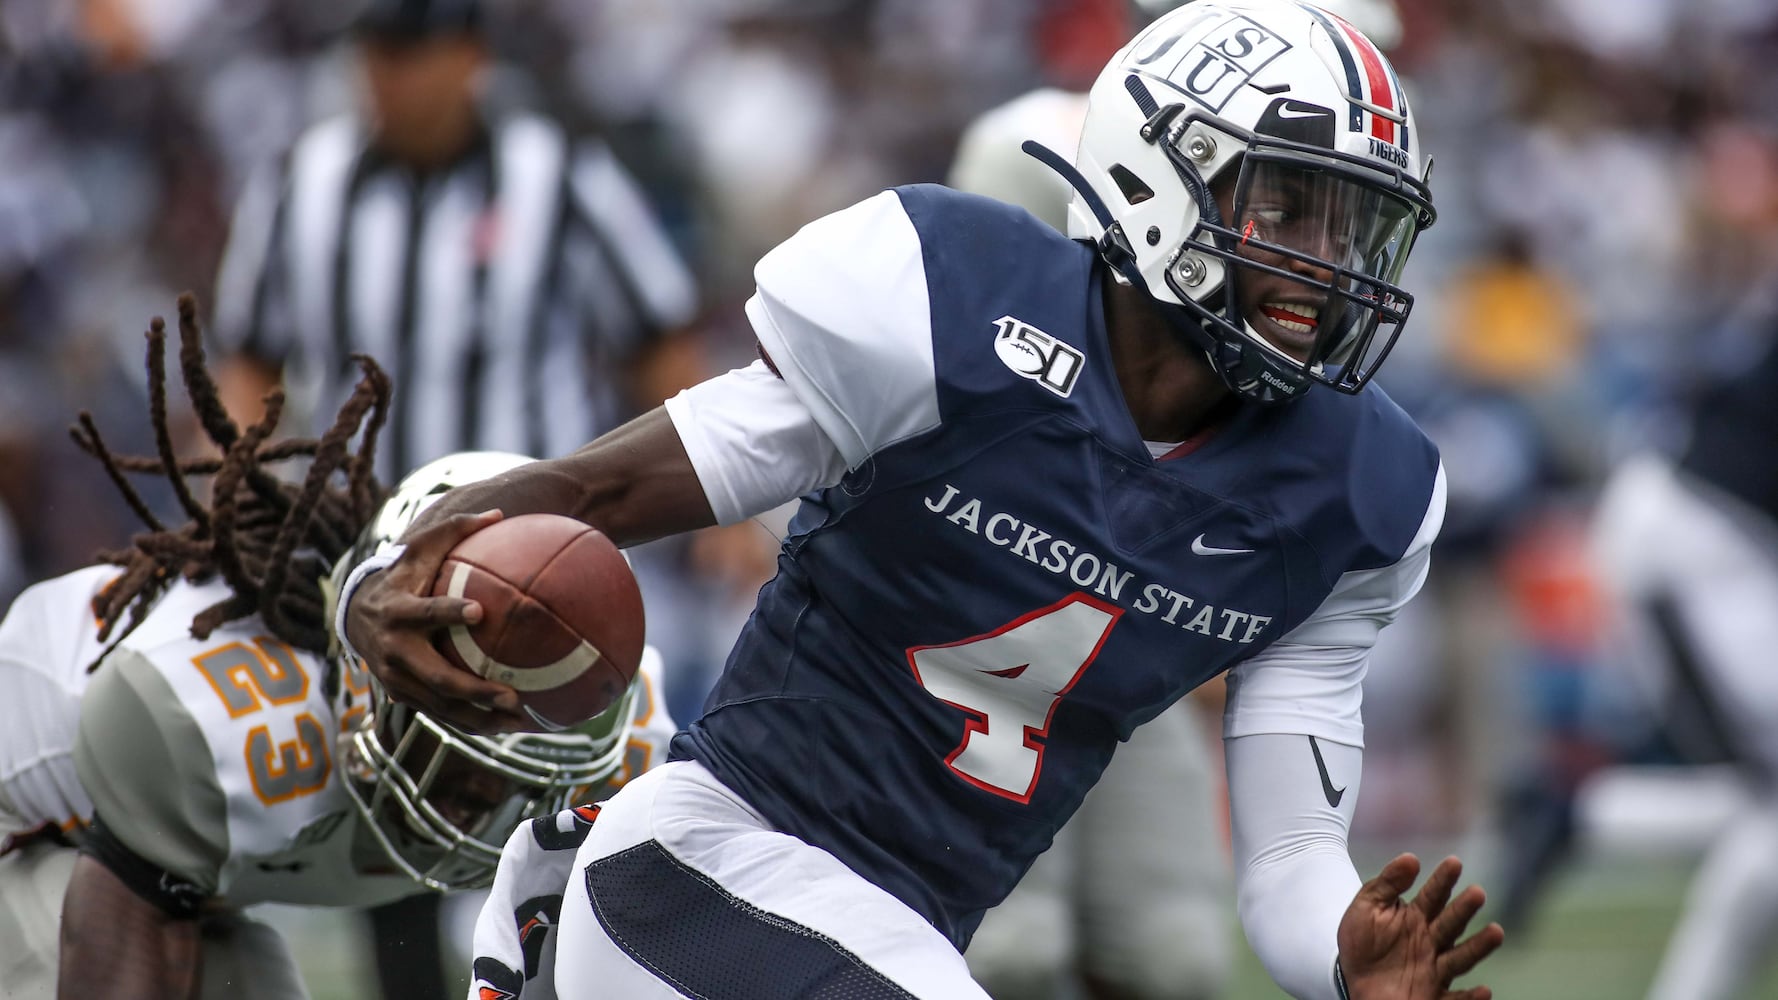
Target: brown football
[(562, 619)]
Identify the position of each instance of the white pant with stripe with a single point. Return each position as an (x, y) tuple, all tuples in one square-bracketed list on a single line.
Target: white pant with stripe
[(680, 883)]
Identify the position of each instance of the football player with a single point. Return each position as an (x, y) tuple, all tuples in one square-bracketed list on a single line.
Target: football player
[(179, 738), (1049, 486), (1131, 900)]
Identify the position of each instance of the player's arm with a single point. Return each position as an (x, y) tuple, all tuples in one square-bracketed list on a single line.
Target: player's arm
[(848, 375), (152, 859), (1293, 739), (1319, 933), (636, 483), (1293, 878), (117, 944)]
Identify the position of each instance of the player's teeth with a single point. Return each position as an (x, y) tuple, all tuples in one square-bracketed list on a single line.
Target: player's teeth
[(1279, 310)]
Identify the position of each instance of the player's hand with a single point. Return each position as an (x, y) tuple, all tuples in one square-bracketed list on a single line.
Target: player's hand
[(1392, 948), (391, 621)]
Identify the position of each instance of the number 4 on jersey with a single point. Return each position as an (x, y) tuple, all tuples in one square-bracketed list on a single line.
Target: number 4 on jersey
[(1010, 681)]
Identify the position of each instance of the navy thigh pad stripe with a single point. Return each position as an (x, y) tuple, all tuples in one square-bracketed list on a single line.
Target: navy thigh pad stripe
[(710, 944)]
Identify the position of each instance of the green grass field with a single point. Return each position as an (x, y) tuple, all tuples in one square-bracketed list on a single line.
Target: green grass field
[(1598, 936)]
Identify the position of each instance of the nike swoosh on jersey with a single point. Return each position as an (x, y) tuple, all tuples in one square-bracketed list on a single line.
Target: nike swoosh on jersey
[(1286, 111), (1334, 795), (1199, 548)]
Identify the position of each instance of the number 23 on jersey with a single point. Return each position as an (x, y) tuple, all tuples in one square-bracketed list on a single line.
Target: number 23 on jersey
[(250, 679)]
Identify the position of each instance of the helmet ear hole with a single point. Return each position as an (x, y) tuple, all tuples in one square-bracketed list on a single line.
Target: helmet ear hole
[(1135, 191)]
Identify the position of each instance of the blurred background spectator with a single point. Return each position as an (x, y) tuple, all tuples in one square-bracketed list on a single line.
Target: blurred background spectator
[(1607, 184)]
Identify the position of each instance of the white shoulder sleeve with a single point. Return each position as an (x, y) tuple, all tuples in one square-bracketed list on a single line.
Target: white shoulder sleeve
[(38, 724), (1311, 680), (753, 442), (1291, 799), (48, 638), (842, 311)]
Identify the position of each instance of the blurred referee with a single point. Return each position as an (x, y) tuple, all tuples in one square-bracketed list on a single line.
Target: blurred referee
[(508, 275)]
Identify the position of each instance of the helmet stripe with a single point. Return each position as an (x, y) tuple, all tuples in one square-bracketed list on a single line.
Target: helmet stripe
[(1377, 75), (1354, 86), (1401, 102)]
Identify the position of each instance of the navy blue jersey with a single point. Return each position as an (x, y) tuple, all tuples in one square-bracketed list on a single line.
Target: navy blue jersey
[(963, 628)]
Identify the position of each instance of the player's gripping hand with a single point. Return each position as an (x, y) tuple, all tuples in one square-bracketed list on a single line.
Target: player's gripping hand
[(1392, 948), (390, 622)]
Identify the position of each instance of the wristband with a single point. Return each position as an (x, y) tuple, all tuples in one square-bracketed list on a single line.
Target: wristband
[(382, 560), (1340, 981)]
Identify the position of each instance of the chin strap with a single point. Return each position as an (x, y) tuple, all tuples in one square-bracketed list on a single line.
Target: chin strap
[(1112, 244), (1053, 160)]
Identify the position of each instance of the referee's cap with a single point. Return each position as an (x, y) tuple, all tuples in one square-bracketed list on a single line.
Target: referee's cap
[(417, 19)]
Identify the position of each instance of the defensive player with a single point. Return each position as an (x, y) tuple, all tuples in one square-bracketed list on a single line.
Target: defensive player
[(1048, 487), (176, 711)]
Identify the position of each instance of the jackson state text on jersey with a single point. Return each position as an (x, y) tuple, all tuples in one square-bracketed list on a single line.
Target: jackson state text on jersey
[(963, 628)]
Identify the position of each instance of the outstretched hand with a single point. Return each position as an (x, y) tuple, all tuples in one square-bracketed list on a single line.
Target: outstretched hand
[(391, 622), (1392, 948)]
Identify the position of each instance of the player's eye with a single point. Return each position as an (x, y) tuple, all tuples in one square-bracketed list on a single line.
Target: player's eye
[(1273, 216)]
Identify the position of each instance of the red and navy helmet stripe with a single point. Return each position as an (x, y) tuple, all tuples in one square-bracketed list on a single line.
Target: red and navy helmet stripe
[(1354, 86), (1377, 84), (1401, 102), (1376, 74)]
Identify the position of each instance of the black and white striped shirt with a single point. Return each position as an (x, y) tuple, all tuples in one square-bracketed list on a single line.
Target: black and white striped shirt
[(502, 294)]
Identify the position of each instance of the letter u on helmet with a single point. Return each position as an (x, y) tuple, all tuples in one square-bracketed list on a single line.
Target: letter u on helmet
[(1304, 120)]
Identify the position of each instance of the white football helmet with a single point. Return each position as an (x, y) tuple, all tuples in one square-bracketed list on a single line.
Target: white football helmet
[(1265, 141), (440, 801)]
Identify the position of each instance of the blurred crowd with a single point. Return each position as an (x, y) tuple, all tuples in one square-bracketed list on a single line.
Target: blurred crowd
[(1606, 178)]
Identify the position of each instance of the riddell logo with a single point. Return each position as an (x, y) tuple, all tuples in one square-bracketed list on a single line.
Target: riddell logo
[(1277, 383)]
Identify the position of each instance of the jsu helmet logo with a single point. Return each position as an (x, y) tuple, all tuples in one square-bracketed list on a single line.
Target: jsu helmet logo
[(1212, 69), (1036, 355)]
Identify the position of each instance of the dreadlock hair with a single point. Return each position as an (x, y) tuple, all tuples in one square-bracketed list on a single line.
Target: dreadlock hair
[(271, 540)]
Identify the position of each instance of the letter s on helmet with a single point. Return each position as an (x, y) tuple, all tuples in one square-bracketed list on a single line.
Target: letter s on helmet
[(1257, 96)]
